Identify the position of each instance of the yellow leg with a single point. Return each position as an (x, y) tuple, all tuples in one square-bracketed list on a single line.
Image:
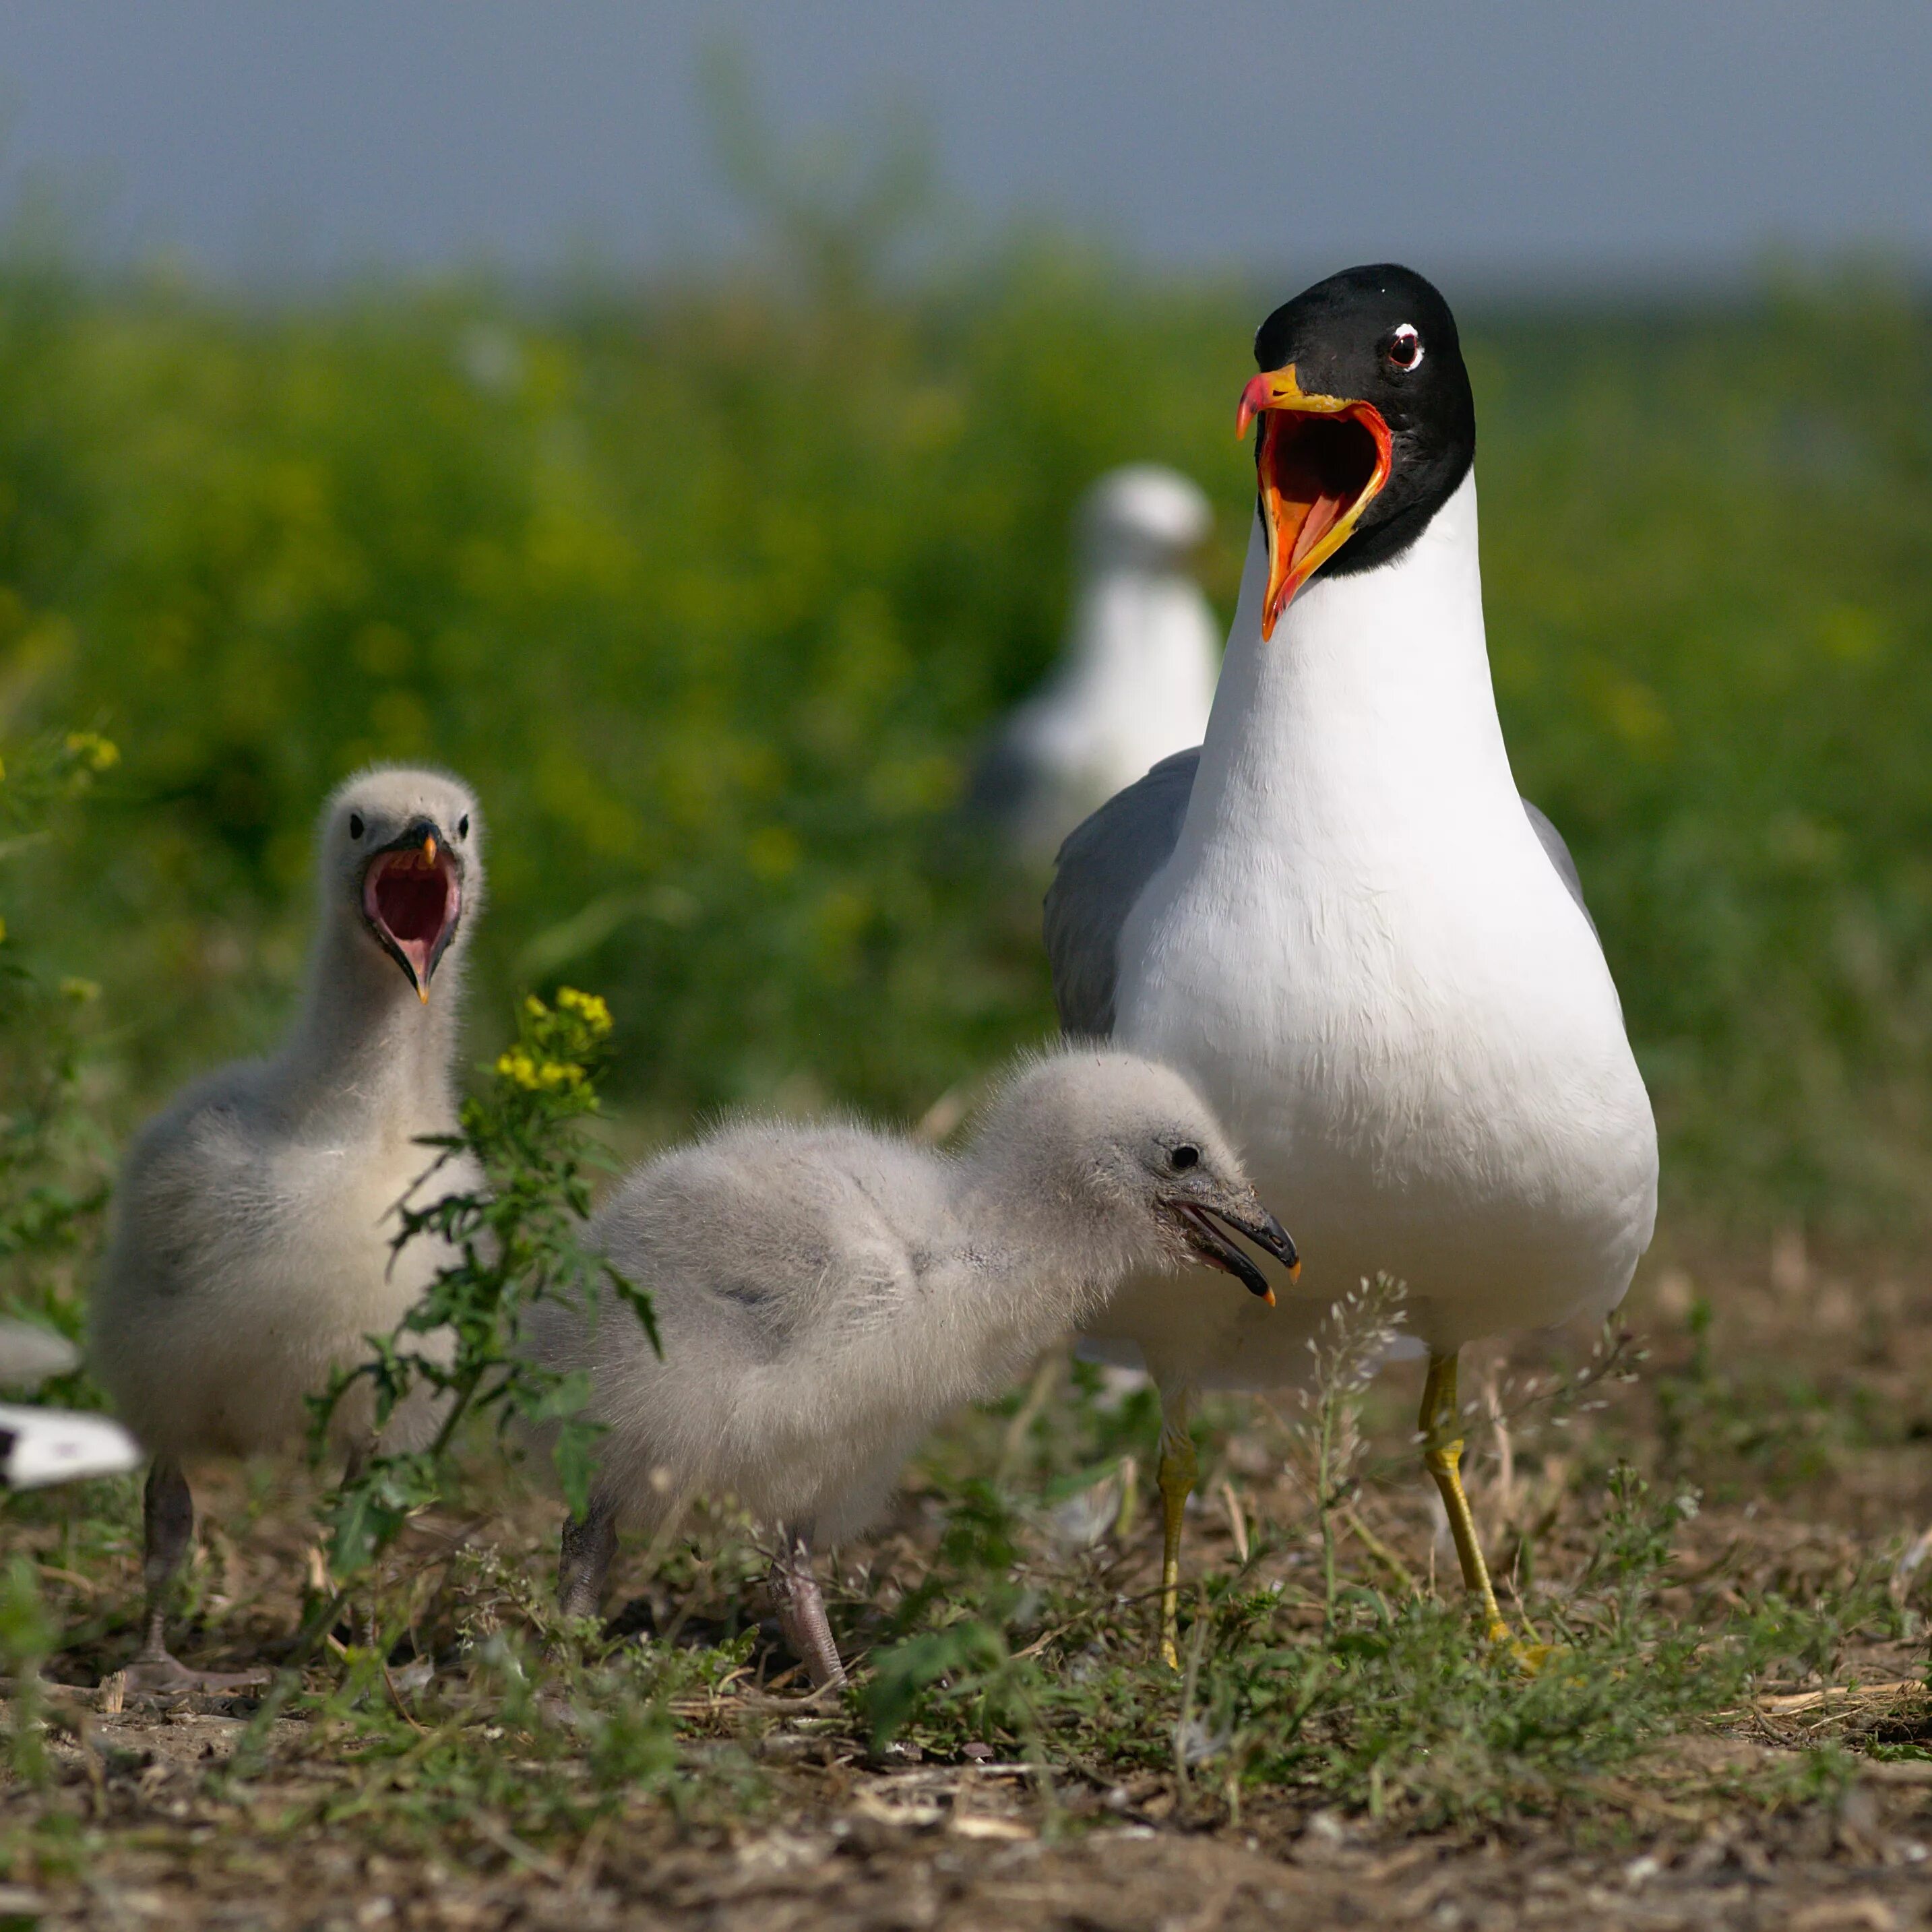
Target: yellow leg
[(1176, 1477), (1441, 1426)]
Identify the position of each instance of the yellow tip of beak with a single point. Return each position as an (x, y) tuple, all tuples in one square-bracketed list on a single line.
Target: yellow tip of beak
[(429, 850), (422, 994), (1269, 1298)]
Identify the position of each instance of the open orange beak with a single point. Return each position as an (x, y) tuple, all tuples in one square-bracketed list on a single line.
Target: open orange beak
[(1321, 461)]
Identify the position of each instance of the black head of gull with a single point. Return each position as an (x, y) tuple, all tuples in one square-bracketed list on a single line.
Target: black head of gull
[(1368, 424)]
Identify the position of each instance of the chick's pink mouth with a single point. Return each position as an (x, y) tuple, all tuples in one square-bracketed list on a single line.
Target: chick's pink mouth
[(412, 898)]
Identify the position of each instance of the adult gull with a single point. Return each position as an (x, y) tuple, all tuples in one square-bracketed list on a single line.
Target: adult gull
[(1340, 919)]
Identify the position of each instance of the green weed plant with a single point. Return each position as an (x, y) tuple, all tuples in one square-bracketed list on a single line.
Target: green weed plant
[(516, 1236), (53, 1157), (1380, 1696), (714, 588)]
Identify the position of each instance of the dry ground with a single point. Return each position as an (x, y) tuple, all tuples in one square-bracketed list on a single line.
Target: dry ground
[(1797, 1398)]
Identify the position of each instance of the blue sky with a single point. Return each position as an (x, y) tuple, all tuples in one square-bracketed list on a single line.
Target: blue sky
[(1524, 139)]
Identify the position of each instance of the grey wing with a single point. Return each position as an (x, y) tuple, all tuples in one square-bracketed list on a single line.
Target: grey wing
[(1102, 868), (1105, 863), (1559, 857)]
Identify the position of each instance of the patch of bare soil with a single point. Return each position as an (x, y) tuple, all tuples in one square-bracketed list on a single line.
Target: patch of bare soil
[(1799, 1405), (970, 1846)]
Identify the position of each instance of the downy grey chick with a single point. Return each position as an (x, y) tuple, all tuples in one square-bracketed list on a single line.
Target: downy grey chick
[(250, 1252), (826, 1294)]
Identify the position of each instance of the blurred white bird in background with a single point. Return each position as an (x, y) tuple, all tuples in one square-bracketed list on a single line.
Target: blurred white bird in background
[(1136, 681)]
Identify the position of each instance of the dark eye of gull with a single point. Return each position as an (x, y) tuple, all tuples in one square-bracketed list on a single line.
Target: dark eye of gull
[(463, 826), (1404, 348), (1184, 1157), (356, 825)]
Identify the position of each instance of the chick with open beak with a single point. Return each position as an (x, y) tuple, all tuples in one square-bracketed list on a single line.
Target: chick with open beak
[(412, 899), (252, 1251)]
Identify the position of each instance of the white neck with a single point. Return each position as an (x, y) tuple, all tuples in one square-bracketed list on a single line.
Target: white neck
[(1375, 688), (365, 1043)]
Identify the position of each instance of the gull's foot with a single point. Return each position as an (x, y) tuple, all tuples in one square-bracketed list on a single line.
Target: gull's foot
[(1531, 1659), (158, 1671)]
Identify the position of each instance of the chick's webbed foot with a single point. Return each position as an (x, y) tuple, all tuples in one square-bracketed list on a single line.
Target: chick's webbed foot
[(160, 1670)]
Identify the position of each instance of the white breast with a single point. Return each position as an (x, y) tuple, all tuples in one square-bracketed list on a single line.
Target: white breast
[(247, 1263), (1362, 952)]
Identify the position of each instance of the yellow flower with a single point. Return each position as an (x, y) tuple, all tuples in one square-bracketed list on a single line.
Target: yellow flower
[(100, 754), (588, 1007), (514, 1064)]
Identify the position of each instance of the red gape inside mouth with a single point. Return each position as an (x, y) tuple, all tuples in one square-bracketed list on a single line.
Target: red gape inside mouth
[(412, 898), (1316, 471)]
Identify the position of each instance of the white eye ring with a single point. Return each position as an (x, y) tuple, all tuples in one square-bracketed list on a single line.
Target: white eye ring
[(1405, 347)]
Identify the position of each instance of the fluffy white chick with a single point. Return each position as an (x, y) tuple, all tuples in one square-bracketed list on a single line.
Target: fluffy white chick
[(826, 1294), (251, 1252)]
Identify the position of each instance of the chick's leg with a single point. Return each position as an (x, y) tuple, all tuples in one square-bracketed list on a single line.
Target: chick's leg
[(584, 1560), (802, 1611), (1176, 1476), (1440, 1425), (167, 1525)]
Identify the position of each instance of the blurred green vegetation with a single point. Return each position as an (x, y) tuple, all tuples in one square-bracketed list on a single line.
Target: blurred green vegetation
[(712, 589)]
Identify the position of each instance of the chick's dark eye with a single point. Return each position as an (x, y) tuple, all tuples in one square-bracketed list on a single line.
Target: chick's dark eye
[(463, 826), (1184, 1157), (356, 825), (1404, 348)]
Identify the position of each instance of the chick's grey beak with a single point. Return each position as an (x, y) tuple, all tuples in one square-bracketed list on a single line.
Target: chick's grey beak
[(1213, 1247)]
